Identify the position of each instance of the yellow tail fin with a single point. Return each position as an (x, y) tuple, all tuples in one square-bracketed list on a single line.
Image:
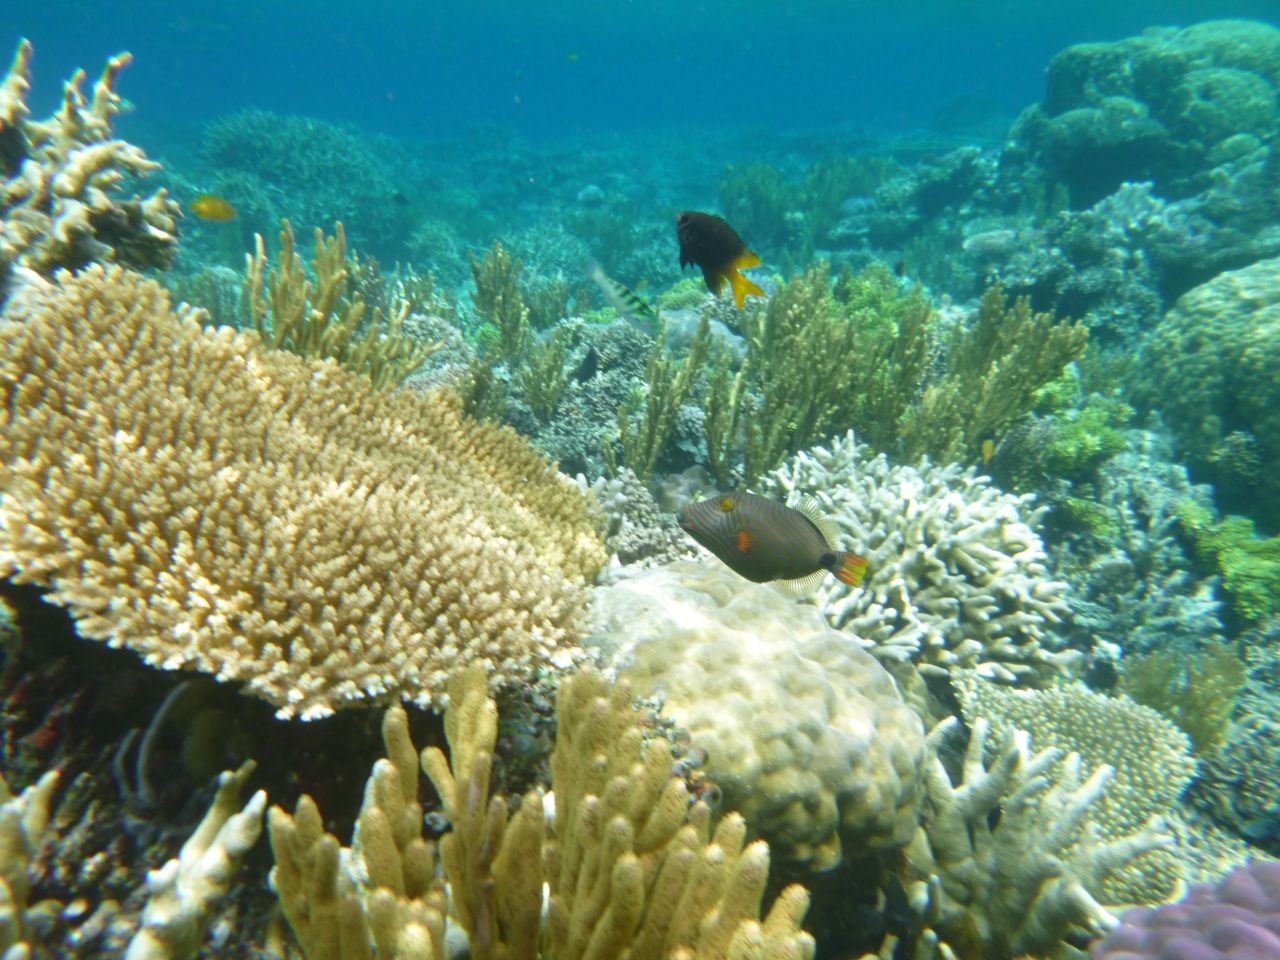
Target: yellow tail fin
[(850, 568), (742, 288)]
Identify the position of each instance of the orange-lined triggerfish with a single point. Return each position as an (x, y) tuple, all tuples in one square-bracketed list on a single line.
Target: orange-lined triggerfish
[(210, 207), (708, 242), (765, 541)]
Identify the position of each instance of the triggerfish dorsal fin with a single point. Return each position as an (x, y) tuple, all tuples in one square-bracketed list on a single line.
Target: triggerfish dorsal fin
[(812, 511)]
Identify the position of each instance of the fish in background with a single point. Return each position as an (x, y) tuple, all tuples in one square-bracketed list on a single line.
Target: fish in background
[(208, 206), (709, 243), (630, 305), (765, 541)]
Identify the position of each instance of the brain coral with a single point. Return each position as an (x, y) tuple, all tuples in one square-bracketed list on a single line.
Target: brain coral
[(207, 503), (958, 577), (805, 732), (1212, 363), (1238, 919)]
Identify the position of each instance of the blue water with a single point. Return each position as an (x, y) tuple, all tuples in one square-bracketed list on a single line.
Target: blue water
[(434, 69)]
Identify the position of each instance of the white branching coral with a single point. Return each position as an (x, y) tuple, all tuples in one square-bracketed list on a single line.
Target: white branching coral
[(1149, 756), (958, 576), (59, 180), (1028, 881)]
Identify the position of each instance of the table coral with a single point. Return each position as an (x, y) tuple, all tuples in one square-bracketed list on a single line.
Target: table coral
[(59, 178), (958, 577), (805, 733), (205, 502)]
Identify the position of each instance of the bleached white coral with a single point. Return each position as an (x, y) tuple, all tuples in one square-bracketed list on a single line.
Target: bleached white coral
[(60, 180), (958, 576), (1028, 881)]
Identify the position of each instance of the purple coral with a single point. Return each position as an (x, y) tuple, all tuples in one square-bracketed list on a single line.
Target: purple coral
[(1238, 919)]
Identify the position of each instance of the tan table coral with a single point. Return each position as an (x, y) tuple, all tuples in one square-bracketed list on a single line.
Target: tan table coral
[(208, 503)]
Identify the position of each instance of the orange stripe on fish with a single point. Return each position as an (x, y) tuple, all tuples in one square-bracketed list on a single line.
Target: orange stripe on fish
[(744, 540)]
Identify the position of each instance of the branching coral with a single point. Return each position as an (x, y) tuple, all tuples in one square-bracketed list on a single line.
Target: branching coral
[(632, 870), (819, 360), (208, 503), (324, 319), (59, 177), (185, 891), (957, 577), (1149, 756), (668, 384), (498, 301), (994, 367), (23, 820), (1028, 881)]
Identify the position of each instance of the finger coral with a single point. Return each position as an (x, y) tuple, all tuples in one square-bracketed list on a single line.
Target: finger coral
[(207, 503)]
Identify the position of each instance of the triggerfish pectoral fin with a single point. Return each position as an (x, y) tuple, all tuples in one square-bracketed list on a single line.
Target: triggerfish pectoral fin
[(849, 568), (741, 286)]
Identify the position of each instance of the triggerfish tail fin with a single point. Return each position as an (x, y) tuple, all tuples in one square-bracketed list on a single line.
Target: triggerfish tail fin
[(741, 286), (849, 568)]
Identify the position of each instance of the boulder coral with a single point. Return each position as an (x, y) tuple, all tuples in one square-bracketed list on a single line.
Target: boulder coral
[(805, 732), (1211, 372)]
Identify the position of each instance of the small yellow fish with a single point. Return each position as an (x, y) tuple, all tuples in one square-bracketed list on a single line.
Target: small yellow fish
[(207, 206), (988, 450)]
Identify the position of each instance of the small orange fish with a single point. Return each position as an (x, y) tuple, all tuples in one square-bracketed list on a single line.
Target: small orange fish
[(765, 541), (207, 206), (708, 242)]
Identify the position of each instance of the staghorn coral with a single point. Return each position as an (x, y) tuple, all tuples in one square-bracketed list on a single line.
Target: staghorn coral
[(1237, 919), (208, 503), (958, 576), (58, 178), (631, 868), (1028, 881), (806, 734), (1149, 756)]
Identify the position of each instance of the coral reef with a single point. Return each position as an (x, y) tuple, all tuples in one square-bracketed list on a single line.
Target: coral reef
[(1028, 881), (805, 733), (958, 577), (1236, 919), (208, 503), (1168, 106), (308, 170), (59, 178), (631, 867), (1149, 757), (1210, 368), (1134, 585), (637, 530)]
